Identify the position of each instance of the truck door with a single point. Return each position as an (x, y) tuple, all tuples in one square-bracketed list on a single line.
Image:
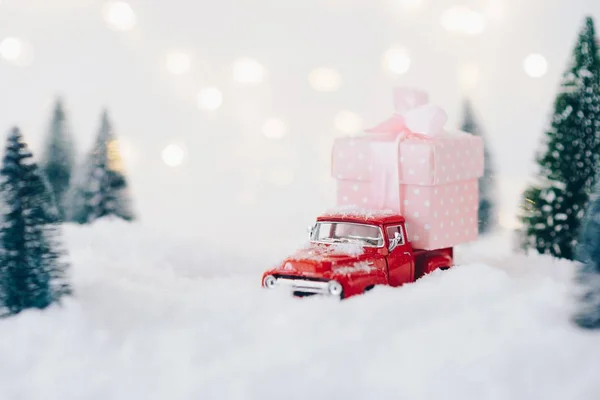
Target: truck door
[(400, 260)]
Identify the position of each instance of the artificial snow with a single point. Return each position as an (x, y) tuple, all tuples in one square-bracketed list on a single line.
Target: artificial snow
[(351, 211), (361, 266), (154, 317), (318, 251), (349, 249)]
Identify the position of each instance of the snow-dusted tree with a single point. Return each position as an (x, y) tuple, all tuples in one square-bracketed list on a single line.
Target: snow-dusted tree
[(32, 268), (58, 157), (587, 314), (554, 206), (101, 190), (487, 209)]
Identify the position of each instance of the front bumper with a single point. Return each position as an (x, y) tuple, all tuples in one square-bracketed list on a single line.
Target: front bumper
[(301, 286), (304, 286)]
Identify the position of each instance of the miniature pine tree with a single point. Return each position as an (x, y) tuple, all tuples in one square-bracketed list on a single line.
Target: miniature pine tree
[(58, 158), (587, 314), (555, 205), (487, 209), (32, 270), (102, 189)]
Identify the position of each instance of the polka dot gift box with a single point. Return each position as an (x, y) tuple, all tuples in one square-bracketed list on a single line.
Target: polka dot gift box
[(412, 165)]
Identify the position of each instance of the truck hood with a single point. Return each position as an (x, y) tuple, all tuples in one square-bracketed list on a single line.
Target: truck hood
[(325, 260)]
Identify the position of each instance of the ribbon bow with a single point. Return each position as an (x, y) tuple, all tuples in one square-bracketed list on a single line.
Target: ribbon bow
[(414, 118), (413, 115)]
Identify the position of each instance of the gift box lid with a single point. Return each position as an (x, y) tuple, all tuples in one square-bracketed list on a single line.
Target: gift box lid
[(418, 159)]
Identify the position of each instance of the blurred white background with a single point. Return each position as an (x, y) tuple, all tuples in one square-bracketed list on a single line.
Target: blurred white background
[(227, 109)]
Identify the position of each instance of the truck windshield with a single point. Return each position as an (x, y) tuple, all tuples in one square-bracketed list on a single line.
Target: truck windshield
[(346, 232)]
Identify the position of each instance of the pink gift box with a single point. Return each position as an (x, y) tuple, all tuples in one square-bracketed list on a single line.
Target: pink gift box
[(431, 178)]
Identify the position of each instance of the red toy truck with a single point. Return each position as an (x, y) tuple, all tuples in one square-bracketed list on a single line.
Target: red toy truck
[(351, 252)]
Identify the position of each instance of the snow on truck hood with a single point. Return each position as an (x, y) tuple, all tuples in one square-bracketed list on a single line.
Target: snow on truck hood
[(320, 250), (342, 258), (360, 266)]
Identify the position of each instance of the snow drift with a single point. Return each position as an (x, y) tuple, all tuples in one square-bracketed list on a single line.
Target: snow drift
[(157, 318)]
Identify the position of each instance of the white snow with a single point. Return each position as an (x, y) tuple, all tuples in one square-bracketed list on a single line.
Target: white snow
[(318, 251), (352, 211), (349, 249), (159, 318), (361, 266)]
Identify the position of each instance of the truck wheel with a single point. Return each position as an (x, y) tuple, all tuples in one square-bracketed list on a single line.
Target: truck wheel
[(444, 268), (370, 287)]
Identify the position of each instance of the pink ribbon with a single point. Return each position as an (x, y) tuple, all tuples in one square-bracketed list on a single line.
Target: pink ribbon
[(385, 174), (413, 119), (413, 115)]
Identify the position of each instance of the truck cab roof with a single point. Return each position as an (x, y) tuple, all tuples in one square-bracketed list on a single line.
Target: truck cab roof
[(377, 217)]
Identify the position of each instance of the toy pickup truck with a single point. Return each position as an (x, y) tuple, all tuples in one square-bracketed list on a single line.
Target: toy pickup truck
[(351, 252)]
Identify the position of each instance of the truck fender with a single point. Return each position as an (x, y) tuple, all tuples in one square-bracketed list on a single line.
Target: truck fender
[(438, 261)]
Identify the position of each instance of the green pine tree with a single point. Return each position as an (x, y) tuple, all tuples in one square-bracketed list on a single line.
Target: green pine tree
[(554, 206), (102, 188), (487, 208), (32, 268), (587, 313), (59, 157)]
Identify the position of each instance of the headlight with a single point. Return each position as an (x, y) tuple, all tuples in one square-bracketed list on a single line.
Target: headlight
[(335, 288), (269, 282)]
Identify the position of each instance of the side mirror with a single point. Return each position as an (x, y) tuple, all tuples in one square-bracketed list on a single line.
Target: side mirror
[(394, 242), (310, 230)]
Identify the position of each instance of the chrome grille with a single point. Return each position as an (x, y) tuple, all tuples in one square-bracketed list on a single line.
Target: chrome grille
[(304, 286)]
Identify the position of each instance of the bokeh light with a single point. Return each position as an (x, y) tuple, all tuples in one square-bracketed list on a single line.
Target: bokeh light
[(127, 150), (210, 98), (347, 122), (535, 65), (325, 79), (173, 155), (16, 51), (113, 153), (179, 62), (461, 19), (396, 60), (11, 48), (274, 128), (248, 71), (119, 15)]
